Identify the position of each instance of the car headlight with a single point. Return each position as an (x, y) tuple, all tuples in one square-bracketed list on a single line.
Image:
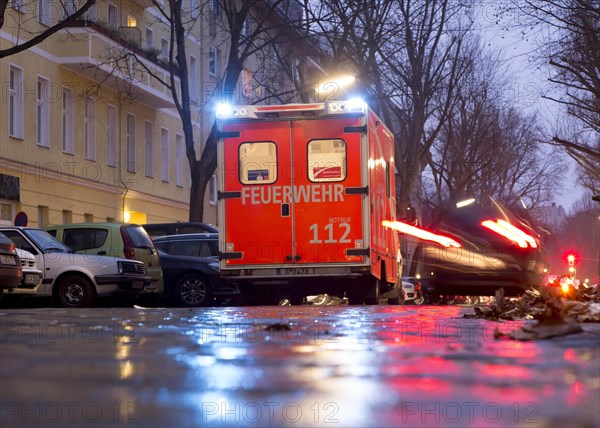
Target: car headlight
[(214, 265)]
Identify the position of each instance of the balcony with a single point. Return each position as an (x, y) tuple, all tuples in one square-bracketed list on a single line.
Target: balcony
[(105, 55)]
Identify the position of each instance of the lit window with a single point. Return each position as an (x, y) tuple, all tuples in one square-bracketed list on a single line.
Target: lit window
[(131, 21)]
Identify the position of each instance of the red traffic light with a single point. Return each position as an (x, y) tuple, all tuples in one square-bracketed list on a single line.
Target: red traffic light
[(571, 259)]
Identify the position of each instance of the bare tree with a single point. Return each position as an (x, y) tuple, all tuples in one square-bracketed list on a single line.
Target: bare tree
[(407, 57), (488, 148), (573, 53), (20, 24), (247, 30)]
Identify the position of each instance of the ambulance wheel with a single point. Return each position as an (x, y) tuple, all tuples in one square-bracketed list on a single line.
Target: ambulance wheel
[(372, 297)]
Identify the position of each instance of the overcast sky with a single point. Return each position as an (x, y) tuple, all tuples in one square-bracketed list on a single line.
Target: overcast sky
[(504, 34)]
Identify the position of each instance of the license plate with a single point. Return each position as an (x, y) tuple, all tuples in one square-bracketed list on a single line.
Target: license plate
[(8, 260), (138, 285), (32, 279), (299, 271)]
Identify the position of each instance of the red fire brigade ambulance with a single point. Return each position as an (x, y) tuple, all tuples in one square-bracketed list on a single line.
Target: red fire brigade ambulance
[(303, 189)]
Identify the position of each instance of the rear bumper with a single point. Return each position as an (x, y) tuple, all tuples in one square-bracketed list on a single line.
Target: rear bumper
[(10, 276)]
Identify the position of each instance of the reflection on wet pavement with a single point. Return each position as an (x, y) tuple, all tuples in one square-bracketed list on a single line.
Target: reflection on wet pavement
[(289, 366)]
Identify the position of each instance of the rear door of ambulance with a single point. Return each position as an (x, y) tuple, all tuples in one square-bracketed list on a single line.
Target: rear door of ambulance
[(294, 194)]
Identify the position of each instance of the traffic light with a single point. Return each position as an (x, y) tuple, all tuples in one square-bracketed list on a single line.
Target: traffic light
[(571, 259)]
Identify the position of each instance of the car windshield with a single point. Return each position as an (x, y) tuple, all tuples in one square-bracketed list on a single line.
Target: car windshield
[(47, 242)]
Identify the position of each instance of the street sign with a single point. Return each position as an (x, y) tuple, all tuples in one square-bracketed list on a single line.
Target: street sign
[(21, 219)]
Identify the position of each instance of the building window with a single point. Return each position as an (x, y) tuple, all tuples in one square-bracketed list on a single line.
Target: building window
[(45, 12), (15, 102), (18, 5), (212, 61), (215, 8), (164, 48), (179, 160), (91, 13), (193, 79), (164, 155), (111, 136), (67, 216), (194, 11), (69, 8), (43, 216), (113, 16), (213, 190), (67, 120), (42, 112), (149, 39), (88, 217), (149, 149), (89, 129), (130, 160), (131, 21), (247, 89), (7, 213)]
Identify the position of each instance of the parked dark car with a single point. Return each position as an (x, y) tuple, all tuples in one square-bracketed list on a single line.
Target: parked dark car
[(497, 248), (191, 270), (10, 265), (165, 229)]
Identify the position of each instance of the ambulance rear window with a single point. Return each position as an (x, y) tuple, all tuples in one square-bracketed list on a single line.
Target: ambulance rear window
[(327, 160), (258, 162)]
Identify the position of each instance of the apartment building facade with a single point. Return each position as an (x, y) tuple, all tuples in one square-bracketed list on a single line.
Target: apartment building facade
[(88, 132)]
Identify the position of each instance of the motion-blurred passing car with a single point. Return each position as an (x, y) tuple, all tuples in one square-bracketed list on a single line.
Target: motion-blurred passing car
[(477, 248), (191, 270)]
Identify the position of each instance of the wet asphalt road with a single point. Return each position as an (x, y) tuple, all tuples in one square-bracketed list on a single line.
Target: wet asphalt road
[(289, 366)]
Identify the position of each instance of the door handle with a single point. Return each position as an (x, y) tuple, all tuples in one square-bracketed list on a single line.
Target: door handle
[(285, 210)]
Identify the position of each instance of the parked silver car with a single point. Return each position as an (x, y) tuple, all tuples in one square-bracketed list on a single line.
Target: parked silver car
[(76, 280)]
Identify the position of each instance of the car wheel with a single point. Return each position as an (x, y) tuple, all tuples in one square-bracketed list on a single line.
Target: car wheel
[(193, 290), (75, 291), (419, 300)]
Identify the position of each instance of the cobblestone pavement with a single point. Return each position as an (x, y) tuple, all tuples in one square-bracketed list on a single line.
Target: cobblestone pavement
[(289, 366)]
